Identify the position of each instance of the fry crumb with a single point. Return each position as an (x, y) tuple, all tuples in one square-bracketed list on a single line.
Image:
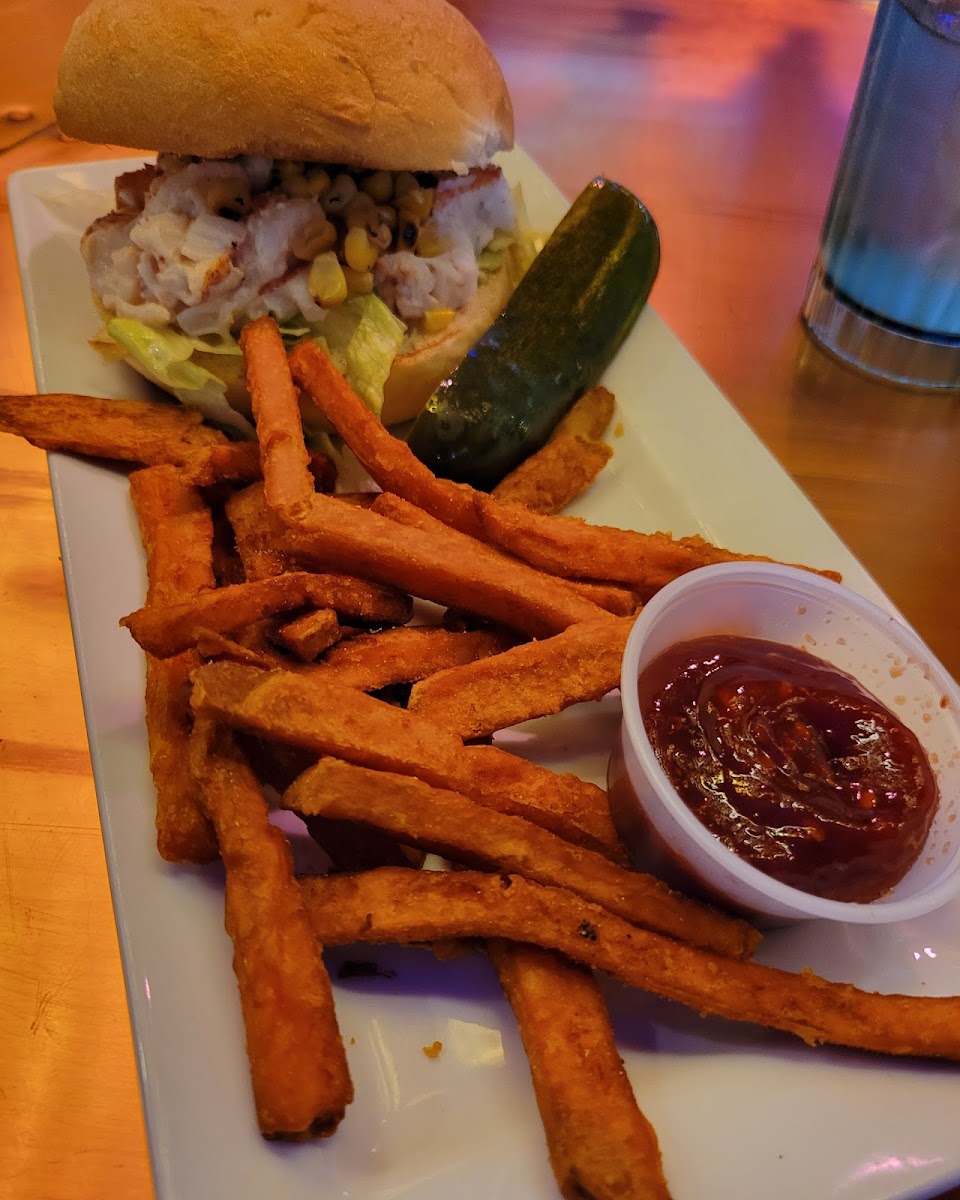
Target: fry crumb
[(433, 1050)]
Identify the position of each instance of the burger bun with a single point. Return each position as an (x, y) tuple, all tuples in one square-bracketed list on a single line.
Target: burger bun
[(405, 85)]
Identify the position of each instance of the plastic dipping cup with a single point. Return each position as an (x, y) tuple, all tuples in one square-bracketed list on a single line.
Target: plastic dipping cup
[(797, 608), (884, 293)]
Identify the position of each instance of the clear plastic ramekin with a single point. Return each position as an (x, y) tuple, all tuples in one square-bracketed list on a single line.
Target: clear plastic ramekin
[(801, 609)]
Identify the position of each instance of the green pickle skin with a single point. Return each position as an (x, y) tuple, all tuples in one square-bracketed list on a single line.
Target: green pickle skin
[(560, 330)]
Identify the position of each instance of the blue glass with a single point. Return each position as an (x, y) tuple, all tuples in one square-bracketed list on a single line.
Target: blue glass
[(885, 292)]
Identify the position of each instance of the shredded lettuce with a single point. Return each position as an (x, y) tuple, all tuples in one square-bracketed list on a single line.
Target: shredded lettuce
[(490, 261), (164, 357), (362, 337), (502, 238), (294, 328), (211, 400), (520, 244), (216, 343), (529, 242)]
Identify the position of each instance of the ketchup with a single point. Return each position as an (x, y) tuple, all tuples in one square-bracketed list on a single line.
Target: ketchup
[(790, 763)]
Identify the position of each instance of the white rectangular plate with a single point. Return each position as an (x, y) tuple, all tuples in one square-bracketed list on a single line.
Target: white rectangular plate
[(739, 1112)]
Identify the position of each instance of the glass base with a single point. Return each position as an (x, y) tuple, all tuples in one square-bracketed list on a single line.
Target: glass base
[(864, 342)]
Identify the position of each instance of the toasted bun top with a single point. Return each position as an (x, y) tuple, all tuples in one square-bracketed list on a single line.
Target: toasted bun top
[(398, 84)]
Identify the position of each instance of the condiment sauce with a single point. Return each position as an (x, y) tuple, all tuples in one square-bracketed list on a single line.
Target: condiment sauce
[(790, 763)]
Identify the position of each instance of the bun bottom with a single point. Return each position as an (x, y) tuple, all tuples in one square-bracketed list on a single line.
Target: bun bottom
[(423, 362)]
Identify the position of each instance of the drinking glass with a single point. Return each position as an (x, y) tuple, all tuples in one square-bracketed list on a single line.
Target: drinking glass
[(884, 293)]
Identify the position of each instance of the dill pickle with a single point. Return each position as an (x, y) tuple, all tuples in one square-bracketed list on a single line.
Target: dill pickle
[(558, 333)]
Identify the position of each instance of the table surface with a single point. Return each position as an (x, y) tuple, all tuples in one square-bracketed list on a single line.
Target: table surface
[(727, 120)]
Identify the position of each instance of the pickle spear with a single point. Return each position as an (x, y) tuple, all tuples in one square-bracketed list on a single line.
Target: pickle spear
[(560, 330)]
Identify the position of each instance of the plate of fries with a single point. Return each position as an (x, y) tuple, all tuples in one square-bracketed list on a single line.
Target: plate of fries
[(338, 685)]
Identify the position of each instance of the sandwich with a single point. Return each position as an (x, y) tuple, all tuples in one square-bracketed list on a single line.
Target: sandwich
[(327, 162)]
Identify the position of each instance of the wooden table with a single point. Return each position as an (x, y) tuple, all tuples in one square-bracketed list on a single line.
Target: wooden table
[(727, 120)]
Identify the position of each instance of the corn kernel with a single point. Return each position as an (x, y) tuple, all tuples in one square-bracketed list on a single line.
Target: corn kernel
[(358, 250), (361, 211), (341, 194), (359, 283), (379, 186), (418, 202), (387, 215), (382, 238), (405, 182), (318, 181), (430, 243), (315, 237), (297, 187), (326, 280), (437, 319)]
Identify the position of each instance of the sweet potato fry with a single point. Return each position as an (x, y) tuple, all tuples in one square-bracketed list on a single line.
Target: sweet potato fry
[(177, 533), (257, 531), (351, 847), (286, 470), (308, 636), (589, 416), (444, 822), (137, 431), (567, 546), (444, 566), (600, 1143), (298, 1067), (227, 566), (619, 601), (215, 645), (327, 718), (392, 905), (575, 810), (275, 764), (165, 630), (235, 462), (532, 680), (557, 473), (611, 597), (378, 660), (176, 529), (184, 834), (396, 469), (389, 461), (239, 462)]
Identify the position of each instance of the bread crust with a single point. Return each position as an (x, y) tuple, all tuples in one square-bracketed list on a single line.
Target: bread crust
[(423, 362), (405, 85)]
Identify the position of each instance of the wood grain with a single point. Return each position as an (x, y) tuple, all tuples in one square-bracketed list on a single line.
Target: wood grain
[(29, 52), (727, 119)]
